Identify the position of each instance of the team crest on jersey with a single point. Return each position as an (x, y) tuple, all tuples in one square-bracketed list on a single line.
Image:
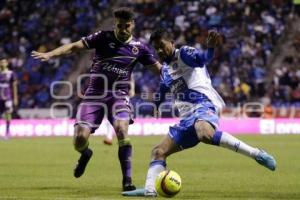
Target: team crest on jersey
[(112, 45), (135, 50), (175, 66), (189, 50)]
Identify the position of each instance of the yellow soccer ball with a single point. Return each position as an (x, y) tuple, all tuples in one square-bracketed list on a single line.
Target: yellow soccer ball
[(168, 183)]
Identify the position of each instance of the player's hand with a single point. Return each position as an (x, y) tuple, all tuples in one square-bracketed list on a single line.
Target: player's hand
[(213, 39), (41, 56)]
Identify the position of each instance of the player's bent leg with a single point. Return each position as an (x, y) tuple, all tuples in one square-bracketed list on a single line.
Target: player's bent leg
[(158, 164), (124, 153), (81, 143), (206, 133), (81, 135), (165, 148)]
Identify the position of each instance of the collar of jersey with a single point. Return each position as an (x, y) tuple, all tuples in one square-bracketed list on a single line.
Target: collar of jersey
[(127, 41)]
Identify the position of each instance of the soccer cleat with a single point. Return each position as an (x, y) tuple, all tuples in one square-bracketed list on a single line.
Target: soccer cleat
[(82, 162), (107, 141), (266, 160), (135, 193), (141, 192), (150, 194), (128, 187)]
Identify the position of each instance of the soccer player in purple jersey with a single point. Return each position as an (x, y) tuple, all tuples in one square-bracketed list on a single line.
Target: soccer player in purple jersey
[(8, 93), (116, 54)]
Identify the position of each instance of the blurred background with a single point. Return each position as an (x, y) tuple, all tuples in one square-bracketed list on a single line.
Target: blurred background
[(257, 67), (256, 71)]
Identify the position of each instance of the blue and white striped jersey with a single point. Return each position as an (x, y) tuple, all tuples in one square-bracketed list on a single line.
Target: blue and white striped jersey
[(187, 78)]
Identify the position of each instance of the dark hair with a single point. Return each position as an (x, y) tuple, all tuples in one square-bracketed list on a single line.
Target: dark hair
[(161, 33), (124, 13)]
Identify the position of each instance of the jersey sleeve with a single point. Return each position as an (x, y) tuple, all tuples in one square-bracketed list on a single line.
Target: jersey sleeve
[(93, 39), (147, 57), (194, 57)]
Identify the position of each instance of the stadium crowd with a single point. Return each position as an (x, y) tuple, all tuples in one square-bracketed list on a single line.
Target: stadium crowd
[(240, 71), (286, 82), (43, 25)]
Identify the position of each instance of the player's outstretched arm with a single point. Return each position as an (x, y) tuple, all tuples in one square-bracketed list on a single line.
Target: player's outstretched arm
[(155, 68), (213, 40), (60, 51)]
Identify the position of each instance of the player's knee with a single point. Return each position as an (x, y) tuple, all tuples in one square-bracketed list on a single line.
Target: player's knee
[(207, 138), (121, 131), (204, 131), (158, 153)]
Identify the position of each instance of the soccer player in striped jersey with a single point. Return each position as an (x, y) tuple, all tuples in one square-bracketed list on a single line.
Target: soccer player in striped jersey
[(184, 74)]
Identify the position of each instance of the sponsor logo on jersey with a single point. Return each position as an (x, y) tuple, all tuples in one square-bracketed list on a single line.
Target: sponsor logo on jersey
[(110, 67), (136, 43), (178, 85), (135, 50)]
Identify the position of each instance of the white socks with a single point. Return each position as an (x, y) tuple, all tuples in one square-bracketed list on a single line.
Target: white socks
[(228, 141), (155, 168), (222, 139)]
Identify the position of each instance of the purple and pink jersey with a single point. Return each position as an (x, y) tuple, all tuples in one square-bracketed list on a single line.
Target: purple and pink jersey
[(114, 61), (107, 91), (7, 78)]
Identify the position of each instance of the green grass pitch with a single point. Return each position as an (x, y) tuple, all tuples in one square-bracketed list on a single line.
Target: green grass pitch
[(41, 169)]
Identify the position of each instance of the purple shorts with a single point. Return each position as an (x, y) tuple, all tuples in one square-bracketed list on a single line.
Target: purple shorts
[(91, 112)]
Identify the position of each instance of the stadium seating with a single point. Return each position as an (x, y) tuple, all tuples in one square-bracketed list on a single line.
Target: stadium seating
[(252, 30), (43, 25), (243, 64)]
